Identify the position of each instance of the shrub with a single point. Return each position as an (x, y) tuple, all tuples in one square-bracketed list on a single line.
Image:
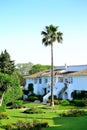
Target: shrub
[(40, 97), (25, 92), (3, 115), (44, 123), (30, 88), (73, 113), (32, 97), (79, 94), (23, 125), (55, 97), (10, 126), (34, 110), (65, 102), (17, 104), (79, 102)]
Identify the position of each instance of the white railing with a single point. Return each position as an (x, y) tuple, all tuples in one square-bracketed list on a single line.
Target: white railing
[(57, 89)]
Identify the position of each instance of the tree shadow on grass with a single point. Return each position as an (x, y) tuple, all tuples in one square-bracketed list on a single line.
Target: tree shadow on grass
[(69, 123)]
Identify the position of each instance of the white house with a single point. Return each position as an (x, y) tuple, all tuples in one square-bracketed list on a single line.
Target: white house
[(66, 80)]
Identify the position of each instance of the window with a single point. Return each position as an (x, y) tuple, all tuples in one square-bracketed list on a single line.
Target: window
[(40, 80), (46, 80), (35, 80), (60, 79), (69, 80), (66, 81)]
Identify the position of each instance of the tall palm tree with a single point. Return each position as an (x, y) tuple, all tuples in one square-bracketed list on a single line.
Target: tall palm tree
[(50, 35)]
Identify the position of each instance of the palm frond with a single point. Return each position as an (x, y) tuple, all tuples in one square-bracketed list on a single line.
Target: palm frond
[(51, 34), (59, 37), (44, 33)]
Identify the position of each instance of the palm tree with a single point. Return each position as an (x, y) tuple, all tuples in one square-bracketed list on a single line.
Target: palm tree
[(50, 35)]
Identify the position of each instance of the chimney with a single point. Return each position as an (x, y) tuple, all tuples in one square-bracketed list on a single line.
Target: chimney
[(65, 66)]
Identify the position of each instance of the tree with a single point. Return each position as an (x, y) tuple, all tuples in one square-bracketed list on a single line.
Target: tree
[(38, 67), (50, 35), (6, 64), (24, 68), (10, 87)]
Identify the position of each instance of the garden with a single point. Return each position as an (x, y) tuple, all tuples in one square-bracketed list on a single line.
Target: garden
[(35, 116)]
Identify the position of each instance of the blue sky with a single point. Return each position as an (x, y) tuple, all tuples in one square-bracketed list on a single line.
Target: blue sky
[(21, 23)]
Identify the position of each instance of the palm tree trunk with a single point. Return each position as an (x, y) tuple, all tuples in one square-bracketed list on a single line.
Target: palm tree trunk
[(52, 95)]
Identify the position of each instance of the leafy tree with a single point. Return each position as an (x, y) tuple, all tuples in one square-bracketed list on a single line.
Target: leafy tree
[(6, 64), (5, 82), (38, 67), (50, 35), (10, 86), (24, 68)]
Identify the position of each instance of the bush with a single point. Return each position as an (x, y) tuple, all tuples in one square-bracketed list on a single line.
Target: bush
[(10, 126), (17, 104), (55, 97), (25, 92), (40, 97), (79, 94), (3, 115), (34, 110), (65, 102), (30, 88), (32, 97), (23, 125), (73, 113), (79, 102)]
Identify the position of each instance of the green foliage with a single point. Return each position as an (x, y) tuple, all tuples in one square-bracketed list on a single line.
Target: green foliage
[(1, 93), (17, 104), (38, 67), (24, 68), (65, 102), (12, 94), (55, 97), (2, 108), (14, 90), (23, 125), (30, 88), (6, 64), (73, 113), (5, 82), (79, 94), (51, 34), (80, 102), (32, 97), (40, 98), (25, 92), (34, 110), (3, 115)]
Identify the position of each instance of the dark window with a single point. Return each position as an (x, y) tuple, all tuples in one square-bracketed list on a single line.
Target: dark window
[(60, 79), (40, 80), (46, 80)]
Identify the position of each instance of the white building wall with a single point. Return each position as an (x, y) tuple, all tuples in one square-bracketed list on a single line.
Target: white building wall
[(39, 87), (79, 83)]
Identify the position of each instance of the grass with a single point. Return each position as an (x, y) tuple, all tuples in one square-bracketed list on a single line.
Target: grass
[(50, 114)]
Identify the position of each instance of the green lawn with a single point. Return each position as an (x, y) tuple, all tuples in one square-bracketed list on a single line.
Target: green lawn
[(51, 115)]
